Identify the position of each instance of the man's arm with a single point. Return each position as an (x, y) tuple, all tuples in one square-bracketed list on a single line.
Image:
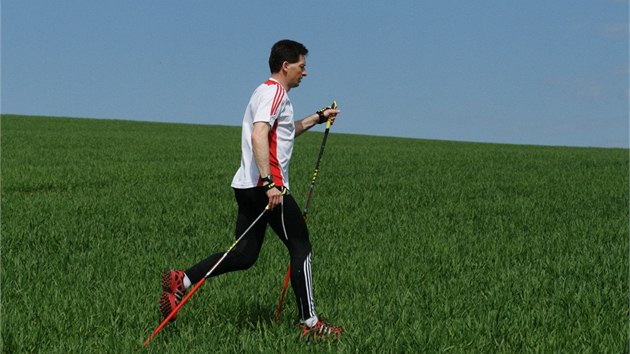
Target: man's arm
[(308, 122), (305, 124), (260, 148)]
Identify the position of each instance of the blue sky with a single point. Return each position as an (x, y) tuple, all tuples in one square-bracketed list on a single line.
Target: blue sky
[(519, 72)]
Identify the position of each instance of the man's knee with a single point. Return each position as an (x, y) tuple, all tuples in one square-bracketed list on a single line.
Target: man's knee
[(301, 252), (243, 258)]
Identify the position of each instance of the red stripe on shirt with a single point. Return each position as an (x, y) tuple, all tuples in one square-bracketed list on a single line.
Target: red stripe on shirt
[(274, 164), (277, 99)]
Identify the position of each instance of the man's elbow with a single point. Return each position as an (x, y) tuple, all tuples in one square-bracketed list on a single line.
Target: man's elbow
[(260, 132)]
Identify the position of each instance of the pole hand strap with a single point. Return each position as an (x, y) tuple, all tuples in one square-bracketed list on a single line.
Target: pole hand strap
[(320, 113)]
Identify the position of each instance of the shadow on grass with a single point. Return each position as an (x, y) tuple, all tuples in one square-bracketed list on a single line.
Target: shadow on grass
[(252, 315)]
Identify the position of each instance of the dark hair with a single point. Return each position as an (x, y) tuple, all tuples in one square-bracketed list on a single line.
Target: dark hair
[(285, 50)]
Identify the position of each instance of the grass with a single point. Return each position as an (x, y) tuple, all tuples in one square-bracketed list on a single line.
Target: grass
[(419, 246)]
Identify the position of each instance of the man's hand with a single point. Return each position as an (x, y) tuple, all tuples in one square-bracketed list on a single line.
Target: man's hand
[(319, 117), (275, 197), (327, 113)]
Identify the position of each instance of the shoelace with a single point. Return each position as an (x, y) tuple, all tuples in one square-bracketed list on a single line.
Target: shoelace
[(322, 329)]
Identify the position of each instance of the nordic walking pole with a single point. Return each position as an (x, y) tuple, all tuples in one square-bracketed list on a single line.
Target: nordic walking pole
[(168, 318), (305, 212)]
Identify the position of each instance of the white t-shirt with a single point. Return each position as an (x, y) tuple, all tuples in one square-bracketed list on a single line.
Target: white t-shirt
[(269, 103)]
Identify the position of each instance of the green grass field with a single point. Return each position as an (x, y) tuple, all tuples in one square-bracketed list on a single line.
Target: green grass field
[(419, 245)]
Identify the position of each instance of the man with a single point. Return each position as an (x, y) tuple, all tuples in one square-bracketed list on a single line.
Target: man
[(263, 179)]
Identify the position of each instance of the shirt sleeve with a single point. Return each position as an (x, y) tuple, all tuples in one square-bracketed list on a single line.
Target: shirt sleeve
[(269, 103)]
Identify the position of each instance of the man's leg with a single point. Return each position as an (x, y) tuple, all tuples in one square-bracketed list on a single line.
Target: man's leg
[(250, 204), (288, 223), (242, 256)]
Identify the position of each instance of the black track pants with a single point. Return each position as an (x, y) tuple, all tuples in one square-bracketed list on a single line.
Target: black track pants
[(287, 222)]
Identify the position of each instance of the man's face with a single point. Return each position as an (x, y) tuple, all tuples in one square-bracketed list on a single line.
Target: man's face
[(296, 71)]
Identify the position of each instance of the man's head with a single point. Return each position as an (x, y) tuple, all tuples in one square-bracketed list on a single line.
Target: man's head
[(288, 59)]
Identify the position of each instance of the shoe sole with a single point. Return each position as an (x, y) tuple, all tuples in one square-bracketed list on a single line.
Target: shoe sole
[(167, 280), (167, 305)]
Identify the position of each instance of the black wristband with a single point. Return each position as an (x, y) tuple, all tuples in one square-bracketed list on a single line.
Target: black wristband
[(322, 119), (270, 185), (320, 114)]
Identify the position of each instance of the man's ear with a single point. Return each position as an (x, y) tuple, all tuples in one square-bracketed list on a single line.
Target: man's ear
[(285, 65)]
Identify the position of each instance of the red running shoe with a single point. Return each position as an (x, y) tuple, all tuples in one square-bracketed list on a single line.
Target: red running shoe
[(174, 291), (168, 302), (173, 282), (320, 331)]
